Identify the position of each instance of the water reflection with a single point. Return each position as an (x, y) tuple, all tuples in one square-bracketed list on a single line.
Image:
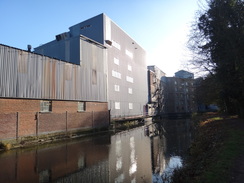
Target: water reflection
[(144, 154), (170, 140), (130, 157), (76, 161)]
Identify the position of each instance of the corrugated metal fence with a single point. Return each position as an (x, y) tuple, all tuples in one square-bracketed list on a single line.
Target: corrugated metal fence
[(27, 75)]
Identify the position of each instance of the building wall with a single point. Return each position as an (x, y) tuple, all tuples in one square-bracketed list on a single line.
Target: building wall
[(179, 95), (22, 117), (184, 74), (155, 91), (28, 75), (126, 63), (127, 70)]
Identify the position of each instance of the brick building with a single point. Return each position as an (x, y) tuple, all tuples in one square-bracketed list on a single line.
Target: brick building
[(179, 94), (126, 62), (41, 95)]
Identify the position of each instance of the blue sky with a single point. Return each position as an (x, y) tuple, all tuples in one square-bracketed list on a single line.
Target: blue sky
[(161, 27)]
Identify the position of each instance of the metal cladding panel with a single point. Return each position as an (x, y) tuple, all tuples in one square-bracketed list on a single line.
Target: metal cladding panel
[(27, 75), (66, 49), (92, 28), (122, 47)]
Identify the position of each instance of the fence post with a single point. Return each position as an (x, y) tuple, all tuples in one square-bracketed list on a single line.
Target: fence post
[(37, 124), (66, 121), (92, 119), (17, 126)]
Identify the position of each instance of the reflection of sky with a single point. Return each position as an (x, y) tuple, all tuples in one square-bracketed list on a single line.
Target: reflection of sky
[(120, 178), (118, 154), (174, 162), (133, 165)]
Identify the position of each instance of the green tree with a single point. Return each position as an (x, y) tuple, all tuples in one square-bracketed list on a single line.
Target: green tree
[(217, 43)]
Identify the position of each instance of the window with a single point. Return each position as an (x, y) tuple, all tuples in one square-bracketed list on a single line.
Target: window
[(128, 53), (117, 105), (129, 79), (130, 91), (81, 106), (130, 105), (116, 61), (94, 77), (116, 74), (85, 27), (116, 88), (115, 44), (46, 106), (129, 68)]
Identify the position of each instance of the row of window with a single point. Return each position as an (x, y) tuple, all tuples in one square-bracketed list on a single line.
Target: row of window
[(184, 89), (186, 83), (127, 52), (116, 61), (117, 88), (46, 106), (117, 105), (118, 75)]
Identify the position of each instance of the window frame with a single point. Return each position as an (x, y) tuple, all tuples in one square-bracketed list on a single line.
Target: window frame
[(81, 108), (45, 106)]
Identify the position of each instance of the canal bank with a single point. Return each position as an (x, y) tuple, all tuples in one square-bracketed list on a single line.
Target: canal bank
[(46, 138), (132, 155), (216, 155)]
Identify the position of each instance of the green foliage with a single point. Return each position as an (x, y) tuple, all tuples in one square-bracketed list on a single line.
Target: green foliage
[(217, 42)]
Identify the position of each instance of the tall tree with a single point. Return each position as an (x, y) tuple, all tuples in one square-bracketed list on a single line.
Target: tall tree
[(217, 41)]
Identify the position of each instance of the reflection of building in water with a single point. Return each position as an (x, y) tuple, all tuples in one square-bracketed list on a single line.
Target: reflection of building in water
[(75, 162), (129, 157), (158, 156), (169, 145)]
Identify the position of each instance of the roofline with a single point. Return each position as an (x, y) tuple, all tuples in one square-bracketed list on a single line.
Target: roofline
[(92, 41)]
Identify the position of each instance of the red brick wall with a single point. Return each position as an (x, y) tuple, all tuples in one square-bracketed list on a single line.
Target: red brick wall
[(79, 120), (96, 115), (62, 106), (8, 125), (27, 123), (95, 106), (19, 105), (52, 122)]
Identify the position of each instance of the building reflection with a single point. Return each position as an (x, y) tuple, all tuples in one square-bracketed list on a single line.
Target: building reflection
[(170, 140), (129, 157), (139, 155), (76, 162)]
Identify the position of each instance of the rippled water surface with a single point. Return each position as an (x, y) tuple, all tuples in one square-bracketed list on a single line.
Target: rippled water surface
[(144, 154)]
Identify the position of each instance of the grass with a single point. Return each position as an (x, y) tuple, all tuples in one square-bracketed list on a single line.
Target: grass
[(217, 145), (220, 171)]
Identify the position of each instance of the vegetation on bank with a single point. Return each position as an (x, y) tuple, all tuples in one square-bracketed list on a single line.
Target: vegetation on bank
[(216, 43), (214, 152)]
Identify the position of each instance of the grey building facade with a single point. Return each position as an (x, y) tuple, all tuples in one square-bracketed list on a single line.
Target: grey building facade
[(40, 95), (184, 74), (125, 62), (179, 93), (156, 100)]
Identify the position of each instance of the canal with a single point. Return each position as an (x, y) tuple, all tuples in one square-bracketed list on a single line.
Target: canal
[(143, 154)]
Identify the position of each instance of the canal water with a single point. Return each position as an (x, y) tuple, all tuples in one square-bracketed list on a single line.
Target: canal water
[(144, 154)]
